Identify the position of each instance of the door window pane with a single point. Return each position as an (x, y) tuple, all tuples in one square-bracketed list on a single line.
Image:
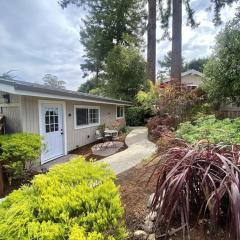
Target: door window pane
[(51, 120)]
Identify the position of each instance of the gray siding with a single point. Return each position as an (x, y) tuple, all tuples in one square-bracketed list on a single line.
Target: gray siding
[(29, 114), (83, 136), (11, 112), (192, 80), (75, 137)]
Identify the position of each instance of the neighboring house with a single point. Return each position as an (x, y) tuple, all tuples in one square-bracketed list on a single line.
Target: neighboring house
[(191, 78), (65, 119)]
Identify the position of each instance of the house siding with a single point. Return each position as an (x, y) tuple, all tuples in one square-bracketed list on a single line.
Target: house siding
[(80, 137), (75, 137), (11, 112), (192, 80), (29, 114)]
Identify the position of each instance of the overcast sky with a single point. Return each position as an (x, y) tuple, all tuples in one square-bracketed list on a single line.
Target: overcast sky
[(38, 37)]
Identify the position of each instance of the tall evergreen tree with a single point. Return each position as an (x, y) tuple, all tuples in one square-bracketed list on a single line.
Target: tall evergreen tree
[(109, 22), (174, 8), (166, 63), (151, 41)]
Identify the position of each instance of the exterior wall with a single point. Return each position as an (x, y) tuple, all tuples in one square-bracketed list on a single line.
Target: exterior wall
[(192, 80), (83, 136), (75, 137), (29, 114), (11, 112)]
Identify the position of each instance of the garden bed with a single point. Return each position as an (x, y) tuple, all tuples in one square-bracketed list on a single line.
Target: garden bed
[(135, 189)]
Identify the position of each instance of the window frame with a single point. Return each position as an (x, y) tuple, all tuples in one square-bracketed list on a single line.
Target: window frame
[(89, 124), (123, 116)]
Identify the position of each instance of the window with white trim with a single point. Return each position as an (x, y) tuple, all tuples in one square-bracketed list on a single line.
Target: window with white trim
[(120, 112), (86, 116)]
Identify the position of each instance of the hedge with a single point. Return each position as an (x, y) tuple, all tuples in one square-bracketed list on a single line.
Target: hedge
[(135, 116), (77, 200), (17, 150)]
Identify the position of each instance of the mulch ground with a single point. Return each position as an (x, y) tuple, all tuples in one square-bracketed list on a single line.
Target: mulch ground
[(135, 189)]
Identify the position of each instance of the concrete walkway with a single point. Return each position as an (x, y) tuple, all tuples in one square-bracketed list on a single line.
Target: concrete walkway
[(139, 148)]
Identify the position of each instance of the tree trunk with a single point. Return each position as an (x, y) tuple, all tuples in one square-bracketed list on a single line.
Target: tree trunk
[(1, 181), (176, 67), (151, 45)]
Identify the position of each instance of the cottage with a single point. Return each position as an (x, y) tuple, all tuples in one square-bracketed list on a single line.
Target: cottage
[(65, 119)]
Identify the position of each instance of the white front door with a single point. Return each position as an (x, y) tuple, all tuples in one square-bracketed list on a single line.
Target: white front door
[(52, 131)]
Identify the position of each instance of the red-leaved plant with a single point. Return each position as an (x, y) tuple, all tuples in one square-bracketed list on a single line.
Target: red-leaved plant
[(159, 125), (198, 182)]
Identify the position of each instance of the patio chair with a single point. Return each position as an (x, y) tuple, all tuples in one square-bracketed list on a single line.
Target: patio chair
[(115, 137), (107, 136), (98, 135)]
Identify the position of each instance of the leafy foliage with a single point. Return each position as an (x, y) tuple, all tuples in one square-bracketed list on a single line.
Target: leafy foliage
[(94, 86), (135, 116), (208, 127), (166, 12), (222, 71), (196, 64), (125, 72), (159, 125), (88, 85), (75, 200), (166, 63), (108, 23), (17, 151), (178, 101), (53, 81), (149, 98), (195, 183)]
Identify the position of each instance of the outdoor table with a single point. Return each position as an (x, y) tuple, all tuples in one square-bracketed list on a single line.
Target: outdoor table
[(110, 133)]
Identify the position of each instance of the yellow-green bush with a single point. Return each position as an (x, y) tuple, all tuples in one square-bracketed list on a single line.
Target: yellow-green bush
[(16, 150), (77, 200)]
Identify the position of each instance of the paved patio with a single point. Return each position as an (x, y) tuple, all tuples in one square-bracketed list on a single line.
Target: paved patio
[(139, 148), (107, 148)]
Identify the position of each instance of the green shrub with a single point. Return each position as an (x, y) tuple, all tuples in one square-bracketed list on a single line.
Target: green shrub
[(135, 116), (17, 150), (77, 200), (208, 127)]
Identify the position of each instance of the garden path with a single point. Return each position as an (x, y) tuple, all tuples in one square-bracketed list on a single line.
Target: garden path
[(139, 148)]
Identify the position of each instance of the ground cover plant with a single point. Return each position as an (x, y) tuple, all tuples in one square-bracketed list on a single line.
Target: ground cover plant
[(77, 200), (199, 183), (210, 128)]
